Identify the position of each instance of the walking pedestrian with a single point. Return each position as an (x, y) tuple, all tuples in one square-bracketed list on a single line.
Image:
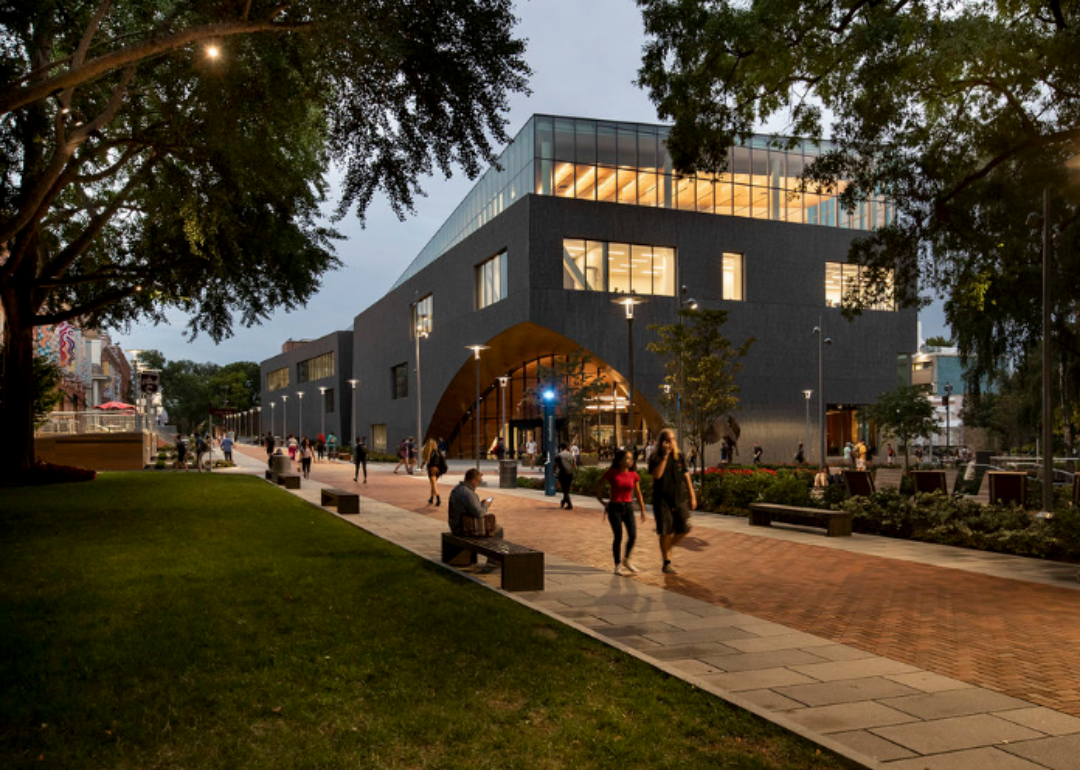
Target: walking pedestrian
[(800, 455), (202, 447), (758, 452), (564, 471), (331, 445), (410, 454), (306, 454), (226, 447), (890, 453), (359, 457), (624, 484), (269, 447), (292, 444), (673, 495), (403, 455), (530, 452), (181, 451), (320, 446), (436, 467)]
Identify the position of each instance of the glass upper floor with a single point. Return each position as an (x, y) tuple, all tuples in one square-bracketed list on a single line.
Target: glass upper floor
[(629, 163)]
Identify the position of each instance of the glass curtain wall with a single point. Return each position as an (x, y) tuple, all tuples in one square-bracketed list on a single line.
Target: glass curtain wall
[(629, 163)]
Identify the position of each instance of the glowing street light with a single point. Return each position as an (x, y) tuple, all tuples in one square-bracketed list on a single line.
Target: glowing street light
[(629, 302), (354, 383), (476, 409)]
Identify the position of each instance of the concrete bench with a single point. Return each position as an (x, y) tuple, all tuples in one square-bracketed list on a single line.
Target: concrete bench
[(343, 500), (836, 523), (522, 567), (289, 480)]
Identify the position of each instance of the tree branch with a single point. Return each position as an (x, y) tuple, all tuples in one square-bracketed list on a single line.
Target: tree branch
[(15, 98), (51, 319)]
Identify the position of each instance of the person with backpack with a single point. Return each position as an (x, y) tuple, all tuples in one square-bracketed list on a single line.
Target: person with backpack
[(331, 445), (201, 448), (181, 451)]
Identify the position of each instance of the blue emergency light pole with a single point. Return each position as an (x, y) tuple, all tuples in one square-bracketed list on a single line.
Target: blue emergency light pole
[(549, 442)]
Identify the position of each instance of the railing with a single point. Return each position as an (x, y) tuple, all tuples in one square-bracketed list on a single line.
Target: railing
[(75, 423)]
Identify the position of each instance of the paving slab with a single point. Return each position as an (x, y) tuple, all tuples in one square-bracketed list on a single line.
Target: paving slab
[(749, 661), (872, 745), (955, 733), (954, 703), (853, 669), (1044, 720), (928, 682), (845, 691), (973, 759), (1058, 753), (848, 716), (755, 680)]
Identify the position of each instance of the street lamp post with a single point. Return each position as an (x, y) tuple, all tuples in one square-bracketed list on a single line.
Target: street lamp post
[(322, 409), (476, 408), (628, 303), (354, 383), (256, 427), (689, 304), (822, 342), (945, 401), (419, 331), (284, 416), (806, 395), (503, 382), (300, 415), (273, 410)]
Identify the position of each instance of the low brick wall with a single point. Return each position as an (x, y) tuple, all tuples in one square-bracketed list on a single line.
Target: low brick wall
[(96, 451)]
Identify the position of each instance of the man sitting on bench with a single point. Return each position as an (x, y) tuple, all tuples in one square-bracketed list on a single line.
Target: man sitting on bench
[(469, 516)]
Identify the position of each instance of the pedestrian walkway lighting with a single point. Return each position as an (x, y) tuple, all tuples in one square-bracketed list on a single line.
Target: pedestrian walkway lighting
[(548, 397), (629, 301), (806, 441), (285, 415), (419, 332), (322, 399), (256, 426), (503, 382), (273, 407), (476, 410), (822, 342), (300, 410), (212, 51), (353, 384)]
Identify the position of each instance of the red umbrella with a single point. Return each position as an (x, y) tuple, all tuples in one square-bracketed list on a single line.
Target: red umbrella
[(116, 406)]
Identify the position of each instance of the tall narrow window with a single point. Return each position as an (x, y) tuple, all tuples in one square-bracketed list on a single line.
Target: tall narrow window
[(423, 314), (733, 277), (491, 281), (399, 381)]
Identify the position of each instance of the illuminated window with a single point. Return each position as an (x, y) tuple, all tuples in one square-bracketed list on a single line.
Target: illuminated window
[(854, 283), (618, 267), (733, 277), (423, 313), (315, 368), (277, 379), (491, 281)]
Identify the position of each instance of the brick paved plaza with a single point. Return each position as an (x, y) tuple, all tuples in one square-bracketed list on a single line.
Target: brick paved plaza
[(912, 655)]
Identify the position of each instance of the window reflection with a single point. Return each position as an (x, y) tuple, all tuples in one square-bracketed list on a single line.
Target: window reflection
[(852, 282)]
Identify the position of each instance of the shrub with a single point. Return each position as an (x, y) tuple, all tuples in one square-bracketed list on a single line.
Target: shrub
[(789, 489), (160, 464)]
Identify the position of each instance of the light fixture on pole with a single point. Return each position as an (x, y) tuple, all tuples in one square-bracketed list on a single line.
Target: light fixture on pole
[(353, 384), (256, 427), (419, 332), (322, 408), (684, 304), (822, 342), (503, 382), (476, 408), (285, 416), (629, 302), (300, 415), (945, 401), (806, 395), (273, 409)]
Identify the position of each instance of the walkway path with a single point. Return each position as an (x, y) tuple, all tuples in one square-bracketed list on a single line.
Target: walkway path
[(915, 655)]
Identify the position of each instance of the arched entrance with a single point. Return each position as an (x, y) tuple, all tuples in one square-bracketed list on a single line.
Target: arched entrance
[(528, 355)]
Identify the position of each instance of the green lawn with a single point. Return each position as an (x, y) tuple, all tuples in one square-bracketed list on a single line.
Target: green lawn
[(189, 621)]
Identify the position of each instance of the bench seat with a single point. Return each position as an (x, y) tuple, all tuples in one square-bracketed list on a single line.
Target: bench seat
[(343, 500), (522, 567), (289, 480), (837, 523)]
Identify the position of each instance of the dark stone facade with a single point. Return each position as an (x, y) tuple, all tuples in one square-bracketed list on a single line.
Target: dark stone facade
[(287, 415)]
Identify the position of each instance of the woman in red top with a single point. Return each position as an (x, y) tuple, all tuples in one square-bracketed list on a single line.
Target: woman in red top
[(625, 485)]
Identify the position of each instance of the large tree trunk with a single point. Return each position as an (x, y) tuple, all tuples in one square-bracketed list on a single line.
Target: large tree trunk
[(17, 407)]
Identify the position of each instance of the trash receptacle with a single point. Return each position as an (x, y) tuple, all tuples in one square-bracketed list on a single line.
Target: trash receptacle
[(507, 474), (280, 463)]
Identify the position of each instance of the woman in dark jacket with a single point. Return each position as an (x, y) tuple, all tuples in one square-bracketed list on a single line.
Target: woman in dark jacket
[(673, 495)]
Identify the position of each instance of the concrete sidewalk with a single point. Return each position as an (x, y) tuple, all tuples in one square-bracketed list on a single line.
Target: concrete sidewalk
[(795, 659)]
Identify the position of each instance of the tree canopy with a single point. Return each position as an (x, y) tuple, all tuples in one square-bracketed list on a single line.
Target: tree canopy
[(174, 154), (961, 112), (906, 413)]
